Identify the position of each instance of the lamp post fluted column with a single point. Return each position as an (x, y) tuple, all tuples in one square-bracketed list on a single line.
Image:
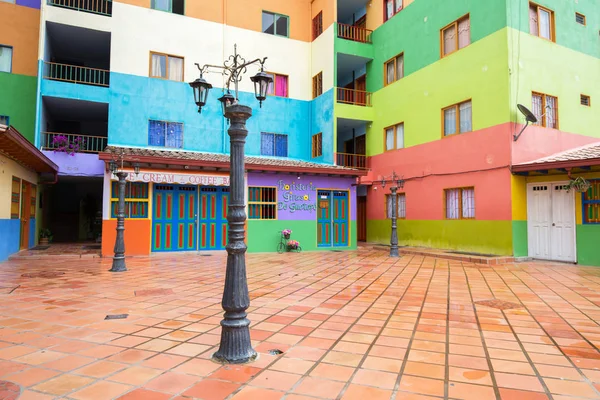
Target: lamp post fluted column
[(235, 346), (118, 264), (394, 237)]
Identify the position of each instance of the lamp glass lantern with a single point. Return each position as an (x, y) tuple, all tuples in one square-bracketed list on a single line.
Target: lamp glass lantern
[(112, 166), (136, 168), (226, 100), (262, 80), (201, 88)]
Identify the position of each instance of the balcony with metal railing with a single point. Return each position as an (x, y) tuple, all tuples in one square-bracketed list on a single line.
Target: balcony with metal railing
[(73, 143), (76, 74), (100, 7)]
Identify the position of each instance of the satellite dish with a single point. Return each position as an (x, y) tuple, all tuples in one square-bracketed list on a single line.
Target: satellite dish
[(529, 116)]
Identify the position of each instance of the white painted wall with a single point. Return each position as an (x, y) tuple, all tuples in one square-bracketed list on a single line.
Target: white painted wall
[(322, 57)]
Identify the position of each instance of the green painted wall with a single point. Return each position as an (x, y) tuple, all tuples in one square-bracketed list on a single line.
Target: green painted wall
[(569, 33), (17, 100), (519, 238), (588, 241), (263, 236), (478, 72), (487, 237)]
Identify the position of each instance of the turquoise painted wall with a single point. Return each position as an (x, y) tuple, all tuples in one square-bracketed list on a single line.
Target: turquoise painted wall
[(17, 100), (10, 230)]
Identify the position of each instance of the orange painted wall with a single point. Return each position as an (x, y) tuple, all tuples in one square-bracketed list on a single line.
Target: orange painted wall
[(137, 237), (480, 159), (328, 7), (21, 29)]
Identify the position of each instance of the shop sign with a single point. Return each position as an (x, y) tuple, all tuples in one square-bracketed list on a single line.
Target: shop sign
[(296, 196), (181, 179)]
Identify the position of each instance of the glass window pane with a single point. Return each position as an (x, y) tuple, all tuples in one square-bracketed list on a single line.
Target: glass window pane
[(400, 136), (162, 5), (156, 133), (545, 31), (400, 67), (281, 27), (176, 69), (464, 33), (389, 72), (4, 120), (159, 66), (452, 203), (268, 23), (466, 119), (5, 59), (536, 107), (267, 144), (450, 121), (551, 112), (389, 138), (398, 5), (449, 39), (533, 20), (281, 149), (271, 88), (388, 206), (401, 206), (389, 9), (468, 203), (174, 135)]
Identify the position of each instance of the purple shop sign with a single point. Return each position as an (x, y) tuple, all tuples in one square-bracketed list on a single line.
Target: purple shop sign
[(78, 164), (297, 198)]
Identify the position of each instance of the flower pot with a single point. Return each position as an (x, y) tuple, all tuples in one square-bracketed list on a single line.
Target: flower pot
[(44, 241)]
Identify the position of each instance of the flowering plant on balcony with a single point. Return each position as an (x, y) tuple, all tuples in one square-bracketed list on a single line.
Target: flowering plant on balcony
[(286, 233), (293, 244), (62, 143)]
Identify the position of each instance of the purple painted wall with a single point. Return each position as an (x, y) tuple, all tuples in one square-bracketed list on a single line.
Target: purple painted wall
[(29, 3), (78, 164), (297, 198)]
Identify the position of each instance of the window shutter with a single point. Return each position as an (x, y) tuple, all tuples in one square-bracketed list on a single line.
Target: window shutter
[(267, 144), (15, 198), (281, 149)]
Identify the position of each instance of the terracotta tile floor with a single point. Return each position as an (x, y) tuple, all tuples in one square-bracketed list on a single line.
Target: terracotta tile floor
[(352, 325)]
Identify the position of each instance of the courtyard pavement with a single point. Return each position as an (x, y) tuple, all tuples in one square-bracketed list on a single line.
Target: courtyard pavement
[(351, 325)]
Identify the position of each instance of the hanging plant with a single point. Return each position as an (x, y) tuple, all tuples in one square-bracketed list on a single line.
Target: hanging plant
[(579, 184), (62, 143)]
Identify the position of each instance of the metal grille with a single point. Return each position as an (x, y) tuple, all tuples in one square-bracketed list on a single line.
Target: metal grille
[(262, 203)]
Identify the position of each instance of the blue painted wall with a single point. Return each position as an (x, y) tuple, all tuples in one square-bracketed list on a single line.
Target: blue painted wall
[(10, 230), (32, 231), (134, 100)]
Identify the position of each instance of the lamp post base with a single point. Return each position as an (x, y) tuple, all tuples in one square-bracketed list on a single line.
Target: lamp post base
[(235, 347), (118, 265)]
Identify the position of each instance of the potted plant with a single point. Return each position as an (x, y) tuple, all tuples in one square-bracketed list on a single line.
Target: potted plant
[(293, 245), (286, 233), (62, 143), (579, 184), (45, 236)]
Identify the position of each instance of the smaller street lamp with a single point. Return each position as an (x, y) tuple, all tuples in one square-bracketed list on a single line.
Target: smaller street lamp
[(397, 183), (118, 264)]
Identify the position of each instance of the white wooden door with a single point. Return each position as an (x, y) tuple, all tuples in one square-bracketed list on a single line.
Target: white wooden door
[(551, 222)]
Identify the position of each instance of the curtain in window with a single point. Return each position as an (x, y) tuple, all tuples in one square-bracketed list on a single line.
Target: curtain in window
[(156, 133), (163, 5), (271, 88), (545, 24), (389, 9), (281, 85), (399, 67), (389, 206), (468, 203), (176, 69), (159, 65), (450, 121), (400, 136), (389, 72), (464, 33), (452, 203), (450, 39), (536, 107), (401, 206), (466, 118), (174, 137), (551, 112), (267, 144), (389, 138), (398, 5), (5, 59), (281, 147), (533, 20)]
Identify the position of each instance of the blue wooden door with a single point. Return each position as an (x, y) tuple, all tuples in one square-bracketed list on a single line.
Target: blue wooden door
[(340, 218), (174, 218), (324, 218), (332, 218), (212, 228)]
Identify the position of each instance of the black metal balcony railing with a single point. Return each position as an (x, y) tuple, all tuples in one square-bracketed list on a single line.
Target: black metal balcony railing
[(354, 33), (101, 7), (75, 74), (73, 143), (358, 161)]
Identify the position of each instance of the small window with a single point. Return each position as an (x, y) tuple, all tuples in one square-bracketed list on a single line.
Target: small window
[(401, 202), (165, 134), (4, 120), (457, 118), (136, 200), (394, 137), (584, 99), (394, 69), (15, 198), (6, 59), (262, 203), (172, 6), (580, 18), (391, 8), (317, 85), (456, 36), (317, 25), (541, 22), (275, 24), (591, 203), (9, 1), (165, 66), (459, 203), (279, 86), (317, 145), (545, 108), (272, 144)]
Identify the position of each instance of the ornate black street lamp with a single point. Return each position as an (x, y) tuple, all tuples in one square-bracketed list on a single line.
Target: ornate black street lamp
[(397, 183), (235, 347)]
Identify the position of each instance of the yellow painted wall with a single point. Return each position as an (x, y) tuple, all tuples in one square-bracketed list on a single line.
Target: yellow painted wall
[(8, 169)]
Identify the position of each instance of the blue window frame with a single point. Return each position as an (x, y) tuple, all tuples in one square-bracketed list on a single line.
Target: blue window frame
[(4, 120), (591, 203), (165, 134), (273, 144)]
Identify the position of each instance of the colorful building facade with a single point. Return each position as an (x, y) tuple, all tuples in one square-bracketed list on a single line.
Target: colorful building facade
[(362, 88)]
